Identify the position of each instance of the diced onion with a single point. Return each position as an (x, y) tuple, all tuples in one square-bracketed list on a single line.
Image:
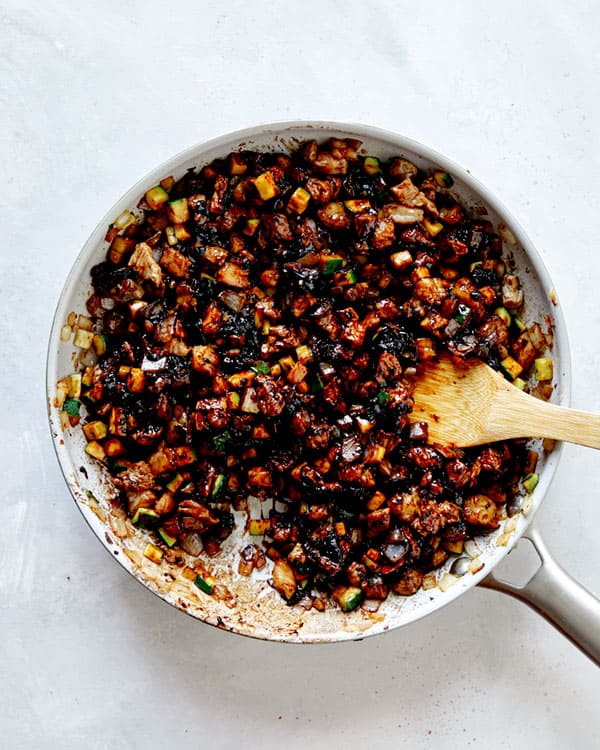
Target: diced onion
[(192, 544)]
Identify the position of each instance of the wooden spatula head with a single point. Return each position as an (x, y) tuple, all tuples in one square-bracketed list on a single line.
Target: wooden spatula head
[(457, 401)]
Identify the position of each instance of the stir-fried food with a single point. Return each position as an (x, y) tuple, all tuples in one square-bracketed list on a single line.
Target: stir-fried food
[(258, 329)]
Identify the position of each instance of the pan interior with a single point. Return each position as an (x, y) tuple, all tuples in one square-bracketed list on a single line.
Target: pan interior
[(250, 606)]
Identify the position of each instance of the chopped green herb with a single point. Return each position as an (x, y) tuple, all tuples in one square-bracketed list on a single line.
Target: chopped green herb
[(382, 398), (262, 367), (221, 441), (332, 264), (317, 385), (71, 406), (462, 313)]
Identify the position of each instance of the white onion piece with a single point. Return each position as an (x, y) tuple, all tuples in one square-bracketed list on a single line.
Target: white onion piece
[(192, 544), (234, 300), (154, 365)]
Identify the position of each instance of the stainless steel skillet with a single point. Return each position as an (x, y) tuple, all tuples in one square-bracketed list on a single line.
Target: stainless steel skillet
[(249, 606)]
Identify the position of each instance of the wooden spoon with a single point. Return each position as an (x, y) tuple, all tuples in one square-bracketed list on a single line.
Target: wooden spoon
[(471, 404)]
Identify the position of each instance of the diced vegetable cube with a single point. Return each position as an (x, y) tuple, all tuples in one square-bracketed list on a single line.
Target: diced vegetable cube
[(178, 211), (153, 553), (348, 597), (266, 186), (511, 367), (145, 517), (371, 165), (83, 339), (530, 482), (95, 430), (298, 201), (95, 449), (331, 263), (259, 526), (99, 343), (443, 179), (166, 537), (156, 197), (543, 368), (71, 406), (433, 227), (205, 583)]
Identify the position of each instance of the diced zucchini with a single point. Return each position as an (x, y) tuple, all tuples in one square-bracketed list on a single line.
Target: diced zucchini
[(119, 247), (171, 237), (356, 205), (503, 314), (349, 278), (259, 526), (167, 183), (174, 483), (266, 186), (219, 485), (156, 197), (443, 179), (95, 430), (185, 455), (455, 546), (543, 368), (181, 232), (331, 263), (237, 164), (530, 482), (317, 385), (348, 597), (520, 384), (433, 227), (233, 400), (371, 165), (74, 381), (99, 343), (250, 227), (83, 339), (114, 447), (145, 517), (205, 583), (298, 201), (304, 353), (520, 326), (262, 367), (166, 537), (178, 211), (154, 553), (71, 406), (511, 367), (95, 450)]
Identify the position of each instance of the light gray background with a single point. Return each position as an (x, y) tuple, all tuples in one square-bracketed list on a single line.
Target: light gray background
[(92, 95)]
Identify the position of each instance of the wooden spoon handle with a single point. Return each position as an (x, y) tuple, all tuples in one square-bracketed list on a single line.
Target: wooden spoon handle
[(559, 422)]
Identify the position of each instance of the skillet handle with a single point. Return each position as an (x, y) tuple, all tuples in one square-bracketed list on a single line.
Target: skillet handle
[(552, 593)]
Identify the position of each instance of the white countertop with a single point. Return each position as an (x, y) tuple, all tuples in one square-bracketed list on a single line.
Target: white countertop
[(93, 96)]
